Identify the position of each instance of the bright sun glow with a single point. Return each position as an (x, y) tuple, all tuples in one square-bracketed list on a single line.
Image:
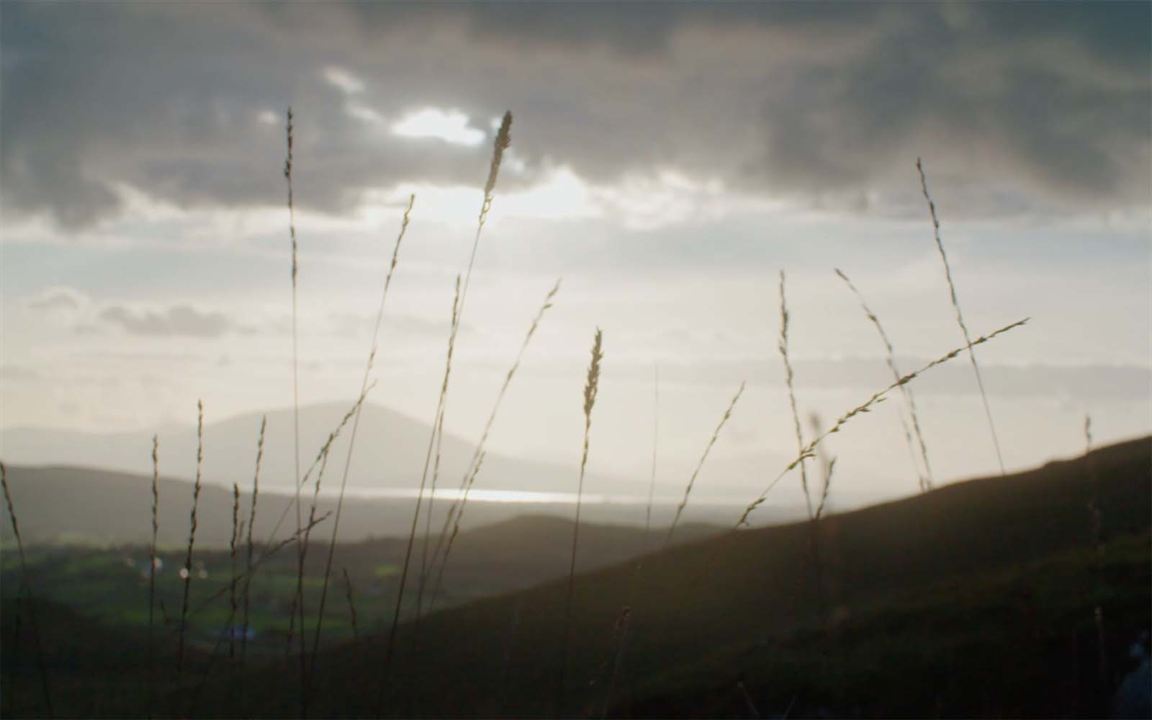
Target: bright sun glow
[(448, 125), (559, 195)]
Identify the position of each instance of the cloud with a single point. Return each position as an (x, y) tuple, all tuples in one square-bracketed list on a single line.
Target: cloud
[(57, 300), (1017, 108), (176, 320), (1083, 383)]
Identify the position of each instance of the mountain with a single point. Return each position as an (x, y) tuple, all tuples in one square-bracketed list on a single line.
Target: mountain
[(84, 505), (390, 452)]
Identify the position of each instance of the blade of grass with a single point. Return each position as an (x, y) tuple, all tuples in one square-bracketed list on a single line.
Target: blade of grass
[(959, 315), (152, 571), (655, 448), (295, 348), (250, 547), (591, 390), (807, 450), (456, 509), (926, 479), (355, 428), (351, 605), (1102, 670), (191, 536), (26, 587), (319, 465), (782, 346), (502, 141), (700, 465), (390, 647), (234, 541)]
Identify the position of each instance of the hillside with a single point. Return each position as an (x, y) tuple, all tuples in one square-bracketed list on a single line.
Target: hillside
[(756, 586), (98, 507), (975, 599)]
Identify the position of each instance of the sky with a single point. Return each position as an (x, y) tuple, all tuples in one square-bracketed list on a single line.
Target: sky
[(667, 162)]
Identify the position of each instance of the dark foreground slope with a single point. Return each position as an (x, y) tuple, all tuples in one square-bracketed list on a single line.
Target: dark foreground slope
[(975, 599), (985, 563)]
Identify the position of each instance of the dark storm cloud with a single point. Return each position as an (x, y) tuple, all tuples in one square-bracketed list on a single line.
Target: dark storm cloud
[(1016, 107)]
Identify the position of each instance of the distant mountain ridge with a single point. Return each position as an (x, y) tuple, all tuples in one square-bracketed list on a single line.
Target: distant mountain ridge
[(390, 452), (88, 506)]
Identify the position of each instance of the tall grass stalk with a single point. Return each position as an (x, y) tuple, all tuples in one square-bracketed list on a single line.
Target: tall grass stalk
[(620, 638), (1098, 549), (233, 544), (782, 346), (340, 427), (655, 448), (207, 602), (959, 315), (319, 466), (295, 344), (191, 535), (152, 571), (348, 594), (591, 390), (26, 586), (700, 465), (815, 547), (250, 548), (619, 641), (925, 476), (269, 551), (390, 647), (877, 397), (328, 561), (828, 465), (451, 542), (501, 143), (456, 509), (434, 446)]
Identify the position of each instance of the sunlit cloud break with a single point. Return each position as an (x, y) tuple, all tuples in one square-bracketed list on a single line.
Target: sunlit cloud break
[(451, 126)]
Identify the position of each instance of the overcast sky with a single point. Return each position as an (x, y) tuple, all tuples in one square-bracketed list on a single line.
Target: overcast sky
[(667, 161)]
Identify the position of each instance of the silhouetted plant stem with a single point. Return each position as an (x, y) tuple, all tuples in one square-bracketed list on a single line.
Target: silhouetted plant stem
[(782, 346), (348, 594), (215, 653), (456, 509), (1098, 552), (501, 143), (390, 647), (298, 607), (700, 465), (355, 428), (26, 587), (320, 465), (959, 315), (926, 479), (250, 547), (807, 450), (191, 536), (152, 572), (591, 389), (655, 448)]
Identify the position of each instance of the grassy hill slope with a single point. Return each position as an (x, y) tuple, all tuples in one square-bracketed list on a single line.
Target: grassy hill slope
[(500, 656)]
